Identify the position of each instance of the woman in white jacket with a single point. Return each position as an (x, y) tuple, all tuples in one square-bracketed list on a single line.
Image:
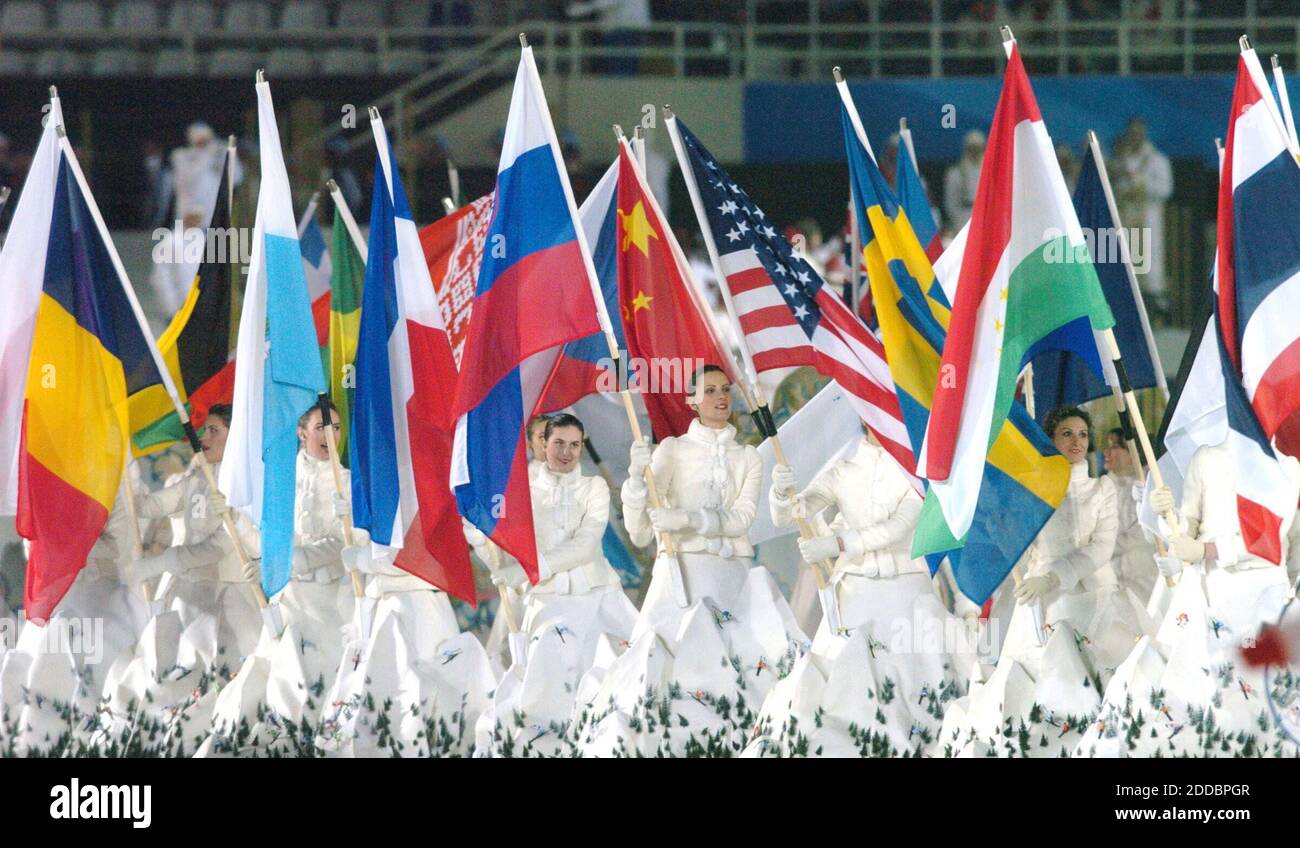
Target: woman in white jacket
[(898, 655), (1194, 695), (578, 598), (714, 632)]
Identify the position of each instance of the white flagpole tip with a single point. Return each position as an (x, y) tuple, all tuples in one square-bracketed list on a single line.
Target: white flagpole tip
[(618, 131), (331, 185), (1276, 63), (230, 141), (835, 72), (54, 91), (902, 124), (1244, 43), (636, 132), (448, 206), (668, 112), (261, 75), (315, 198), (4, 194), (523, 39), (1006, 34), (374, 114)]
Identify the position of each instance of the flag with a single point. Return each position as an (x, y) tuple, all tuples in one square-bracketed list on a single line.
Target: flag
[(583, 362), (88, 354), (1026, 284), (402, 423), (195, 347), (663, 318), (912, 199), (319, 271), (1064, 378), (347, 273), (1024, 478), (1257, 275), (279, 374), (789, 316), (533, 295), (453, 250), (21, 262)]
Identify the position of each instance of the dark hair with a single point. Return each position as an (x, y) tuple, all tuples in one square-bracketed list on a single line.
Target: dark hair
[(1056, 416), (532, 425), (306, 416), (699, 375), (564, 419), (1117, 431), (222, 411)]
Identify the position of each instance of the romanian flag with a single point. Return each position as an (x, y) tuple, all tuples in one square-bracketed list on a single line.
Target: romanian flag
[(196, 345), (347, 276), (1024, 479), (663, 321), (88, 354)]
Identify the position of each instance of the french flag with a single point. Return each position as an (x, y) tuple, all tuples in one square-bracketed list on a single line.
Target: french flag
[(1258, 282), (535, 293), (402, 421)]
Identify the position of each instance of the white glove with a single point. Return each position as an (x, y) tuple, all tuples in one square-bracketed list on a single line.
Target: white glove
[(1186, 548), (669, 520), (639, 458), (783, 480), (511, 576), (1033, 588), (253, 571), (820, 548), (1162, 500), (1169, 566), (301, 565), (148, 568), (217, 502), (355, 557), (342, 509), (473, 535)]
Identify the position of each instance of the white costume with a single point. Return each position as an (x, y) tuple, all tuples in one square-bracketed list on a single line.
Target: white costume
[(880, 685), (1191, 693), (1143, 181), (65, 662), (415, 685), (1134, 560), (209, 574), (577, 600), (711, 660), (1061, 647)]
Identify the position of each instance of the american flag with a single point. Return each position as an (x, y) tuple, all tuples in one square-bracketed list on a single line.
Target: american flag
[(789, 316)]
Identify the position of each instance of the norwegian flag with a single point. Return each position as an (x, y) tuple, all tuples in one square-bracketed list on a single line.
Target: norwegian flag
[(789, 316)]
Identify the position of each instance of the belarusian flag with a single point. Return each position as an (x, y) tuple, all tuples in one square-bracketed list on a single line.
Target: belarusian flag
[(1027, 284), (347, 275)]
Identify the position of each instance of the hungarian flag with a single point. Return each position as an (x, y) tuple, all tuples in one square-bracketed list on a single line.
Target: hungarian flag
[(347, 276), (667, 335), (1026, 284), (196, 345)]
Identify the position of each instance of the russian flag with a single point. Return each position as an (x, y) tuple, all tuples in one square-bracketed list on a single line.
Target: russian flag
[(534, 294), (402, 421), (1258, 281), (278, 374)]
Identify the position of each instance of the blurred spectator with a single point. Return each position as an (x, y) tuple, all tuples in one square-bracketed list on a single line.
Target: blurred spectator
[(962, 181), (338, 169), (196, 170), (1069, 165), (1033, 21), (8, 166), (575, 164), (1142, 180)]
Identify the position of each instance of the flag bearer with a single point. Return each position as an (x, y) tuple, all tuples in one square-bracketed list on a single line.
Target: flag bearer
[(210, 575), (901, 635), (577, 600)]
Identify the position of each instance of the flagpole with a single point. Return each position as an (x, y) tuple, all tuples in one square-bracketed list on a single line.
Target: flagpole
[(453, 181), (448, 206), (1256, 71), (349, 222), (309, 212), (762, 415), (4, 197), (168, 383), (1280, 79), (638, 148), (230, 173), (1127, 258)]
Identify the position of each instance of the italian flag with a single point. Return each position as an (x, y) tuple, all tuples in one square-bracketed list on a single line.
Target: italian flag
[(1027, 284)]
